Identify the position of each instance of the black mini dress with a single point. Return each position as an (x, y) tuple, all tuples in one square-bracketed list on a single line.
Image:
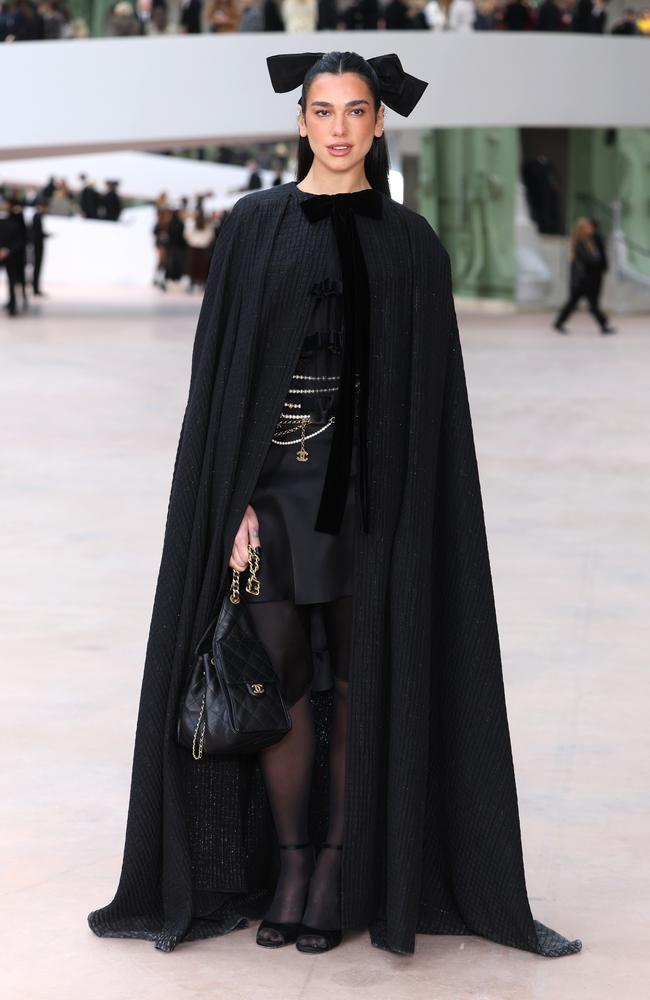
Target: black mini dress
[(297, 562)]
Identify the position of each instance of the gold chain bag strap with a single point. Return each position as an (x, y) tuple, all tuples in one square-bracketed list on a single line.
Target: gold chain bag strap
[(232, 702)]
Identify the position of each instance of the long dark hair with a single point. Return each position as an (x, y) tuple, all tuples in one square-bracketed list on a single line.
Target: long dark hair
[(376, 163)]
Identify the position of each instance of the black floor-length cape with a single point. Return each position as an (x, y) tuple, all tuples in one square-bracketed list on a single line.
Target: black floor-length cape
[(432, 836)]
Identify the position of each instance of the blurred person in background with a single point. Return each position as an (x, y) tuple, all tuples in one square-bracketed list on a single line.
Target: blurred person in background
[(162, 201), (486, 15), (176, 250), (26, 23), (160, 21), (16, 208), (272, 16), (143, 12), (599, 17), (542, 182), (602, 250), (79, 28), (153, 17), (56, 19), (13, 243), (254, 182), (328, 16), (589, 17), (277, 166), (199, 236), (218, 219), (585, 279), (49, 188), (517, 16), (627, 25), (361, 15), (450, 15), (161, 238), (61, 200), (643, 22), (417, 20), (551, 17), (396, 16), (111, 203), (6, 21), (89, 198), (223, 15), (252, 16), (299, 15), (121, 20), (191, 14), (36, 237)]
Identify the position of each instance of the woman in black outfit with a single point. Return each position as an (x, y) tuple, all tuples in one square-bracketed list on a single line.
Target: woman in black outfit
[(327, 429), (588, 263)]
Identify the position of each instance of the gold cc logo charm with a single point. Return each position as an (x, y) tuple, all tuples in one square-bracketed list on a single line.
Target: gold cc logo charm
[(256, 689)]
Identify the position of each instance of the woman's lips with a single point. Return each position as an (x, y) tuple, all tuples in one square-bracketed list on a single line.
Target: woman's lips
[(340, 151)]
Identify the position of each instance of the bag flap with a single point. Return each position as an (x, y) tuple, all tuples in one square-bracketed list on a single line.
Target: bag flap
[(243, 659)]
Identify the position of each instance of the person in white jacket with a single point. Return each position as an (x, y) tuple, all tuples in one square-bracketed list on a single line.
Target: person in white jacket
[(459, 15), (299, 15), (199, 236)]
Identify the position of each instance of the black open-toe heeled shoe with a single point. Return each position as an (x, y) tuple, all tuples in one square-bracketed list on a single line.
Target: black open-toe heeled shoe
[(328, 937), (287, 932)]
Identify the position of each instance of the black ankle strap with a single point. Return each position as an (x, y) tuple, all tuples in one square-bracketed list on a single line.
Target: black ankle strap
[(336, 847), (293, 847)]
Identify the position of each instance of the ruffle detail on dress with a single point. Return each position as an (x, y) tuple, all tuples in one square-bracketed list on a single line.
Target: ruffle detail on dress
[(327, 321), (328, 286), (325, 340)]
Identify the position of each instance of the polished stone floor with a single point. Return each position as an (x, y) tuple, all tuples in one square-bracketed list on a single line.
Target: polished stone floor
[(92, 393)]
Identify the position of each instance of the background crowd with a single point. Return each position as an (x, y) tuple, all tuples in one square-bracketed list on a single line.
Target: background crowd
[(85, 200), (22, 234), (184, 239), (184, 235), (28, 20)]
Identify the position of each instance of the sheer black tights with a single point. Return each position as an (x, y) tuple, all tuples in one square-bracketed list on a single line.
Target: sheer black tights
[(287, 765)]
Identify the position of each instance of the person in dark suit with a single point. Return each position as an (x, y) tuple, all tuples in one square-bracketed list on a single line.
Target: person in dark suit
[(272, 16), (396, 16), (176, 256), (589, 17), (517, 16), (587, 266), (12, 252), (89, 198), (600, 245), (111, 202), (627, 25), (550, 17), (37, 238), (191, 13)]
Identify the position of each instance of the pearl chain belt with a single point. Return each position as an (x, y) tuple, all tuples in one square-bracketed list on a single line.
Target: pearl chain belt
[(289, 423)]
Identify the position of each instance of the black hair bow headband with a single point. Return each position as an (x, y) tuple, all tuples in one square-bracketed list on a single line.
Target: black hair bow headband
[(399, 90)]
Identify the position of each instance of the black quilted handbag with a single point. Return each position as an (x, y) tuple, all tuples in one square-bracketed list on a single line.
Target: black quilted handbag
[(232, 702)]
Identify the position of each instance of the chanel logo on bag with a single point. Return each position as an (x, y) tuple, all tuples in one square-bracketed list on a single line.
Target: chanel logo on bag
[(256, 689)]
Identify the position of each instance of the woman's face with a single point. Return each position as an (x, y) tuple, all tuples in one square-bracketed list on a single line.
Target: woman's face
[(340, 120)]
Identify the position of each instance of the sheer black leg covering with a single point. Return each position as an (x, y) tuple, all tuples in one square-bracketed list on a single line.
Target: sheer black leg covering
[(287, 765), (323, 905)]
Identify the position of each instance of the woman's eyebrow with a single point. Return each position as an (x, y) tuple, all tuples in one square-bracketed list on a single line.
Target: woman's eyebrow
[(328, 104)]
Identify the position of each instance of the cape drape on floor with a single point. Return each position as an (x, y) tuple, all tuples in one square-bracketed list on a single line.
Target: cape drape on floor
[(432, 837)]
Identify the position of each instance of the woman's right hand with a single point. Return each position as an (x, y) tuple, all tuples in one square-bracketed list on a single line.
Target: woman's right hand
[(248, 532)]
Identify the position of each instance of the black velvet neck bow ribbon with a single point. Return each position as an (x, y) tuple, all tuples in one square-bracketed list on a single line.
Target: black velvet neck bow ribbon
[(354, 363)]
